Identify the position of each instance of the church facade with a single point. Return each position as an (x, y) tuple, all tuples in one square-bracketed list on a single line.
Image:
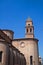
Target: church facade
[(27, 46)]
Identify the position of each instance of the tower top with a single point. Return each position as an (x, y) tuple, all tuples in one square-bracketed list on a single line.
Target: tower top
[(29, 20), (29, 28)]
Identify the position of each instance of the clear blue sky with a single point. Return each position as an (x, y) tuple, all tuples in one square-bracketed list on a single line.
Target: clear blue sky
[(13, 14)]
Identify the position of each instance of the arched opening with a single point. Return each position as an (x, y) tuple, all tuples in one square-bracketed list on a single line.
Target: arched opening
[(31, 60), (0, 56), (31, 30), (27, 30)]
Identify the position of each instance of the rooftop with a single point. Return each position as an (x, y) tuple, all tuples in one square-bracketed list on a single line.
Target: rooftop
[(29, 20)]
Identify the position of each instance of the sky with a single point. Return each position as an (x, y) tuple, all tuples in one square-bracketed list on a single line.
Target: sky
[(13, 16)]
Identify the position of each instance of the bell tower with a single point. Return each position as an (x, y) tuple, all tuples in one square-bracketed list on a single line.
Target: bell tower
[(29, 29)]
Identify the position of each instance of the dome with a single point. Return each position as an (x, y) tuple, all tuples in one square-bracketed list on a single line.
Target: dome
[(29, 20)]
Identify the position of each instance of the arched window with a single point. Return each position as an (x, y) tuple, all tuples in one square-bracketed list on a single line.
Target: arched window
[(31, 60), (30, 30), (0, 56), (27, 30)]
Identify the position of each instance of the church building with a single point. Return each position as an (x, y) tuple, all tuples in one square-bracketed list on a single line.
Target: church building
[(26, 47)]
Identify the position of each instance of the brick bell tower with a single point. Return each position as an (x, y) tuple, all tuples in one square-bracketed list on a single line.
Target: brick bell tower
[(29, 29)]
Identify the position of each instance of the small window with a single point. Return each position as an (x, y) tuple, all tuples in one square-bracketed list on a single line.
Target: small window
[(30, 30), (0, 56), (31, 59), (28, 24)]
